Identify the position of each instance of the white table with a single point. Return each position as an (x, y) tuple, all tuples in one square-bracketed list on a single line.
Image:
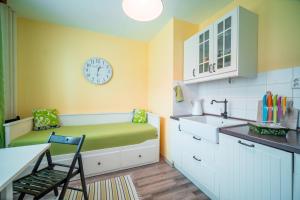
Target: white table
[(13, 161)]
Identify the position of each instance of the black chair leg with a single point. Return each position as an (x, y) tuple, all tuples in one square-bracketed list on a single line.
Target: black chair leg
[(56, 192), (84, 190), (21, 197)]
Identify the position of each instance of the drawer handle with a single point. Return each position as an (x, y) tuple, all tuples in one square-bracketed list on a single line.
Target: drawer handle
[(245, 144), (195, 158), (140, 156), (179, 128), (196, 138), (99, 163)]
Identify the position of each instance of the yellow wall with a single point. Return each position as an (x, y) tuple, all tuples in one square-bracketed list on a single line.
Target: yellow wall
[(279, 31), (165, 59), (160, 77), (51, 57), (50, 64)]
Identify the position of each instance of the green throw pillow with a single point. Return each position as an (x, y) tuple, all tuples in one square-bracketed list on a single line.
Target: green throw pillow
[(45, 119), (139, 116)]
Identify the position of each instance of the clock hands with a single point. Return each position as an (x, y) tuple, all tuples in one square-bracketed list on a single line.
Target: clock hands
[(98, 71)]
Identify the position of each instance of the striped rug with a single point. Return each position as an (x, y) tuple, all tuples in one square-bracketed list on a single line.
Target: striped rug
[(118, 188)]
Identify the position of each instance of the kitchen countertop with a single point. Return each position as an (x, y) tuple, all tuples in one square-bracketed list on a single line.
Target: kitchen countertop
[(290, 143)]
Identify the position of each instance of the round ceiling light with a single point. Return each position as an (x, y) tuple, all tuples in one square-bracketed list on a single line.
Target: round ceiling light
[(142, 10)]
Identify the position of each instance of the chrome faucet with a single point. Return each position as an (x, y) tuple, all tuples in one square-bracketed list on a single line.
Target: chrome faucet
[(224, 114)]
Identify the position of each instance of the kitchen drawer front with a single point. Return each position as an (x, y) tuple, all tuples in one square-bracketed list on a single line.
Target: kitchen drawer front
[(137, 156), (100, 163), (191, 143), (204, 149), (208, 152), (199, 171)]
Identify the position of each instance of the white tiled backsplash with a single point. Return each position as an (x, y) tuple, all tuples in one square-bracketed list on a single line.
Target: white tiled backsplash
[(242, 94)]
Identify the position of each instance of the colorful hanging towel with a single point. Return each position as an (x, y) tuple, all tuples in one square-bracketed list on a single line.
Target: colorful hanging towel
[(178, 93)]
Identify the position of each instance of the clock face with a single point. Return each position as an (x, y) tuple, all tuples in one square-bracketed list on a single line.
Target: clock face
[(97, 70)]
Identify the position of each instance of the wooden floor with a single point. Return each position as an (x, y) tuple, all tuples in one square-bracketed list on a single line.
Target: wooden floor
[(156, 182)]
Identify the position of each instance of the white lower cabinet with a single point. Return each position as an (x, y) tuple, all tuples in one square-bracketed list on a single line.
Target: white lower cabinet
[(235, 169), (195, 158), (175, 143), (252, 171), (296, 177)]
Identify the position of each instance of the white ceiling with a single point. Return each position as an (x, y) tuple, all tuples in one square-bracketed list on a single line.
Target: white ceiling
[(107, 16)]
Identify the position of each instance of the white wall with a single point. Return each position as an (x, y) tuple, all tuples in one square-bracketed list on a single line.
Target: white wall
[(190, 92), (243, 94)]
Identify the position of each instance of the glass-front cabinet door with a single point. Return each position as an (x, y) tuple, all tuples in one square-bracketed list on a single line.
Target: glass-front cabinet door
[(205, 50), (225, 37)]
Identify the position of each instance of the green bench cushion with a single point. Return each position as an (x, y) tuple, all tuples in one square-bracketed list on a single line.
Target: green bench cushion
[(98, 136)]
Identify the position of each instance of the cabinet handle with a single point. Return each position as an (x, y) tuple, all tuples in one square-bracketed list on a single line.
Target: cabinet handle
[(179, 128), (213, 67), (140, 156), (99, 163), (196, 138), (245, 144), (195, 158), (194, 73)]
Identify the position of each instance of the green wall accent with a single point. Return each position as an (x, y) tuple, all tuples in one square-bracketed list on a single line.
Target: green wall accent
[(2, 133)]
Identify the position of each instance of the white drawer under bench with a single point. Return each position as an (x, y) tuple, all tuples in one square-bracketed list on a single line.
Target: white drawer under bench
[(114, 159)]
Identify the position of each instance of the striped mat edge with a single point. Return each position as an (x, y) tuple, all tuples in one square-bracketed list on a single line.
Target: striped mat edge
[(117, 188)]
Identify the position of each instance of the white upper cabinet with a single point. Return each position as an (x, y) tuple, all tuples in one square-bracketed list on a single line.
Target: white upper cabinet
[(226, 48), (190, 58), (205, 50)]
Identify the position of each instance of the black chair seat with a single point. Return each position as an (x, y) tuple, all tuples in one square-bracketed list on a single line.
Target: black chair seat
[(40, 182)]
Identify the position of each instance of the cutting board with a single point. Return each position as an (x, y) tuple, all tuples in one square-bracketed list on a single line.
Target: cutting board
[(290, 119)]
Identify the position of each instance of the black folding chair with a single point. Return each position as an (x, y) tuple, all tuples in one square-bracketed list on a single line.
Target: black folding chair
[(41, 182)]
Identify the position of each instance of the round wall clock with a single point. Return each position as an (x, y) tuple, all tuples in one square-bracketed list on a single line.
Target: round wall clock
[(97, 70)]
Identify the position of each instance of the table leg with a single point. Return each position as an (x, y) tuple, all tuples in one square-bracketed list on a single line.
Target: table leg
[(7, 193)]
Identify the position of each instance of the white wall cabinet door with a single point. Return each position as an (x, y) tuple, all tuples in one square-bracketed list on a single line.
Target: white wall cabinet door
[(205, 50), (225, 43), (191, 58), (252, 171)]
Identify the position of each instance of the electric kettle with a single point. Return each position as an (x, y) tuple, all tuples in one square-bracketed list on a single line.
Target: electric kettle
[(197, 107)]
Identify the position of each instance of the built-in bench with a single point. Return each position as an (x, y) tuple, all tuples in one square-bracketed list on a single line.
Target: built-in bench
[(112, 141)]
